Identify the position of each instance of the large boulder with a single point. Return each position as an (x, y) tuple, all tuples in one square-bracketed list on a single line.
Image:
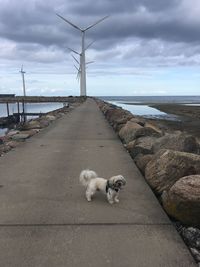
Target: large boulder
[(34, 124), (43, 122), (127, 133), (29, 132), (4, 148), (155, 127), (13, 144), (117, 114), (146, 131), (178, 142), (117, 126), (141, 161), (142, 145), (105, 108), (168, 166), (182, 201), (20, 136), (138, 120), (121, 121), (51, 117), (12, 132), (133, 130)]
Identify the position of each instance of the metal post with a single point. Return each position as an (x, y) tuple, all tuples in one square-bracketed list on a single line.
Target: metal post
[(8, 113), (23, 80), (18, 111), (83, 73), (24, 92), (23, 111)]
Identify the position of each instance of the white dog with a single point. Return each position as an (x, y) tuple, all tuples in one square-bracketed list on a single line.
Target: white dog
[(110, 187)]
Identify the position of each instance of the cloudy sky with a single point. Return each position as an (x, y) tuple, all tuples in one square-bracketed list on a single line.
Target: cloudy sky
[(145, 47)]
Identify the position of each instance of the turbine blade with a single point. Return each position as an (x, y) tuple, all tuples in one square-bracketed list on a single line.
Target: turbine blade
[(89, 27), (89, 45), (69, 22), (76, 68), (78, 76), (72, 50), (76, 59), (90, 62)]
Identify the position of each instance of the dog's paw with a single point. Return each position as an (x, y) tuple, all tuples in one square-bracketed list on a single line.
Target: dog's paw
[(117, 200), (111, 202)]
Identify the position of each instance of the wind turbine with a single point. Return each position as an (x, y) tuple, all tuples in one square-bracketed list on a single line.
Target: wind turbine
[(80, 58), (23, 80), (83, 71), (79, 65), (24, 92)]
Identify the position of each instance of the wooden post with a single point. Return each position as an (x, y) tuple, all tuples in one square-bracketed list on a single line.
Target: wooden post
[(18, 111), (23, 111), (8, 113)]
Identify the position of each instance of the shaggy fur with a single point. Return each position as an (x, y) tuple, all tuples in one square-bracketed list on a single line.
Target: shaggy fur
[(110, 187)]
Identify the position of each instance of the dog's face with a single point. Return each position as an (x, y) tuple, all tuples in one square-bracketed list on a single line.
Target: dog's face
[(117, 182)]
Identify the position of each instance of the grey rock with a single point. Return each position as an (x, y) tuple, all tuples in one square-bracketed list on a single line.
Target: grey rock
[(50, 117), (12, 132), (142, 160), (178, 142), (127, 133), (142, 145), (168, 166), (191, 236), (20, 137), (182, 201), (147, 131), (196, 253)]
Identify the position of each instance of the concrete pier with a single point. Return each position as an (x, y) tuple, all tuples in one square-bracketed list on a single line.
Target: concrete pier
[(45, 220)]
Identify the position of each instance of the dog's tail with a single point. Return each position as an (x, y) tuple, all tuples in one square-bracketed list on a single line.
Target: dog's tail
[(86, 176)]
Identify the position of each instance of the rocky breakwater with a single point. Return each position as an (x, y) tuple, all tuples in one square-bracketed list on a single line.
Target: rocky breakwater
[(23, 131), (170, 163)]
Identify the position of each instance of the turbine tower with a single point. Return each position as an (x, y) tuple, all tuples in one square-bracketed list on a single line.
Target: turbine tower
[(24, 93), (83, 71), (23, 80), (79, 62)]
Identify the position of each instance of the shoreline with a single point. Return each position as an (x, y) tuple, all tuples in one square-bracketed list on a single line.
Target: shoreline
[(189, 118)]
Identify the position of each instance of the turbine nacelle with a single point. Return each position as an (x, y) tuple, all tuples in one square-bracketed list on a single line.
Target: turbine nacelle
[(22, 71)]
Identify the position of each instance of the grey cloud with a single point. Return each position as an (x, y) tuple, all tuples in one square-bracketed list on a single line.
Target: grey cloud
[(118, 6), (37, 22), (159, 25)]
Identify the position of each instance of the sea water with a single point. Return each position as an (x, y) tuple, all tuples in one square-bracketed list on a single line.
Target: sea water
[(140, 105), (30, 107)]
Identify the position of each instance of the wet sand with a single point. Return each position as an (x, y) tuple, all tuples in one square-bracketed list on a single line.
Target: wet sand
[(189, 118)]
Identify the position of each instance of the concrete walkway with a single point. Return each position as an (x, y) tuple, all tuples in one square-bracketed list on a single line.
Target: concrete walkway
[(45, 219)]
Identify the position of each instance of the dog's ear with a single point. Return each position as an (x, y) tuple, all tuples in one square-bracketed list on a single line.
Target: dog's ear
[(122, 179)]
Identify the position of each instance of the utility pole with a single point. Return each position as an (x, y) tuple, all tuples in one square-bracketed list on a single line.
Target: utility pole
[(24, 93)]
